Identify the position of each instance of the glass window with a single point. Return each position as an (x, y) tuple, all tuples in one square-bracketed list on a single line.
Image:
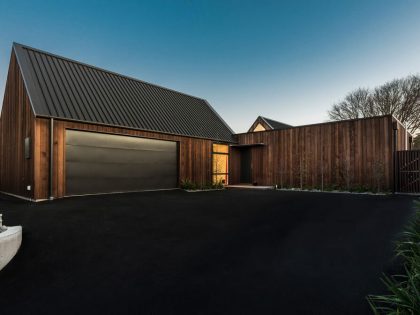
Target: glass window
[(220, 178), (220, 163), (259, 127), (220, 148)]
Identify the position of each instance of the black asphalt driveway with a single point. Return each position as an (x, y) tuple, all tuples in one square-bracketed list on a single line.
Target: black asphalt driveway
[(221, 252)]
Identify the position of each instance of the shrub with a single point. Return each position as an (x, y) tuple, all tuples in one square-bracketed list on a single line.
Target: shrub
[(218, 185), (361, 189), (404, 297), (187, 184), (328, 188), (207, 186)]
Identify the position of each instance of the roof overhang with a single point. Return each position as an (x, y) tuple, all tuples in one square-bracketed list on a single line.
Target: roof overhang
[(247, 145)]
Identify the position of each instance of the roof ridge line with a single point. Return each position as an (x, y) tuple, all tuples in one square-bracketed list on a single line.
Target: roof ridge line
[(102, 69), (265, 120)]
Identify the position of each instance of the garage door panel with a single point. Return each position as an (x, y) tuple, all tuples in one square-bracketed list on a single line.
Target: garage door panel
[(100, 163), (102, 186), (99, 140), (86, 170), (120, 156)]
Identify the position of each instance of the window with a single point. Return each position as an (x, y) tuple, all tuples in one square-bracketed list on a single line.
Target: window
[(220, 162), (259, 127), (27, 148)]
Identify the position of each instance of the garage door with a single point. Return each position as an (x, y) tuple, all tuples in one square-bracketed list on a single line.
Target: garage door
[(102, 163)]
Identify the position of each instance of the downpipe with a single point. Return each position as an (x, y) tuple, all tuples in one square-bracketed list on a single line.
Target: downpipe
[(50, 192)]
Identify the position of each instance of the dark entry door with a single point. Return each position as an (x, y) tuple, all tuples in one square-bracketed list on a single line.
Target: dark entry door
[(102, 163), (246, 166)]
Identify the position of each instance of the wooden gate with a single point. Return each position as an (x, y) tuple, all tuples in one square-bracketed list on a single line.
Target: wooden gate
[(407, 171)]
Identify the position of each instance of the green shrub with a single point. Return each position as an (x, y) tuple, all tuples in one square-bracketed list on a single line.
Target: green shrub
[(333, 187), (404, 297), (218, 185), (207, 186), (361, 189), (187, 184)]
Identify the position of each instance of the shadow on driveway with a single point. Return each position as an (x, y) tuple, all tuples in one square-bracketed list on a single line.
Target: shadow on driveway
[(221, 252)]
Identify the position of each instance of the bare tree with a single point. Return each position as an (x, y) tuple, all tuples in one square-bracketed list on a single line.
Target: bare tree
[(399, 97), (356, 104)]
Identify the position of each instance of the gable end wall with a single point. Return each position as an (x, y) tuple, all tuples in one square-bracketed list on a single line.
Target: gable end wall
[(16, 123)]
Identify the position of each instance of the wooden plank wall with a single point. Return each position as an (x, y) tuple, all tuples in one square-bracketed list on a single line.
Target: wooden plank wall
[(347, 155), (350, 153), (194, 158), (16, 123)]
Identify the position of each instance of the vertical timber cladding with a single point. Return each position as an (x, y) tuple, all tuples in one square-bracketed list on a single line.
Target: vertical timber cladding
[(194, 157), (16, 124), (348, 154), (103, 163)]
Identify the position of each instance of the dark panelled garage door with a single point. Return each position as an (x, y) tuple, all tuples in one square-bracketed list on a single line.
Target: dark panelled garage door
[(101, 163)]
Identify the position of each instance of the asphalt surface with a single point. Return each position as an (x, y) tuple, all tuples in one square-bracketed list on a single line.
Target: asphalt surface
[(220, 252)]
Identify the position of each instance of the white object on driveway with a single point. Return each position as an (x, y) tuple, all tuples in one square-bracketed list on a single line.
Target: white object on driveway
[(10, 241)]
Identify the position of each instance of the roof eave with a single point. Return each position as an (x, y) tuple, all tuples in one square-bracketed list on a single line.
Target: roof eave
[(265, 120), (133, 128)]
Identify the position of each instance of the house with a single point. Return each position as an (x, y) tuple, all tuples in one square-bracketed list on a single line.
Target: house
[(68, 128), (350, 154)]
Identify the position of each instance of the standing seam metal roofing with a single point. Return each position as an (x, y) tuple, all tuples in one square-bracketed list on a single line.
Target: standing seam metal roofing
[(275, 124), (66, 89)]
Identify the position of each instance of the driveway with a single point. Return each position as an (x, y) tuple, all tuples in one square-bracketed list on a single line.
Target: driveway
[(220, 252)]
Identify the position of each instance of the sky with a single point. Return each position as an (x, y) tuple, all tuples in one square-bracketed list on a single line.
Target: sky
[(286, 60)]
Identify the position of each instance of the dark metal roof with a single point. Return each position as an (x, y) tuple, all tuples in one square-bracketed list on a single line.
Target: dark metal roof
[(274, 124), (66, 89)]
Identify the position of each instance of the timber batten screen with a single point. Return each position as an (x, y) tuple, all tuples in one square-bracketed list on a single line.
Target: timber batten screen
[(407, 164)]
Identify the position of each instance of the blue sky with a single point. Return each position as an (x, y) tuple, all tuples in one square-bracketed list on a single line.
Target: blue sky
[(287, 60)]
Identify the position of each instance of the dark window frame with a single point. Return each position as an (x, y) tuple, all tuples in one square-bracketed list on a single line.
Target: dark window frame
[(27, 148), (212, 161)]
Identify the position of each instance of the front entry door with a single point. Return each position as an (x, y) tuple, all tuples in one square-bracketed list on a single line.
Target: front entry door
[(246, 166)]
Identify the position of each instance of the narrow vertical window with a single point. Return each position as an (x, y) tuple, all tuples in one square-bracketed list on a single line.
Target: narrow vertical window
[(220, 168), (27, 148)]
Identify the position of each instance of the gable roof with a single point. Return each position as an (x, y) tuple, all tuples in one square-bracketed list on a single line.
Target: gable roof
[(276, 124), (269, 124), (62, 88)]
